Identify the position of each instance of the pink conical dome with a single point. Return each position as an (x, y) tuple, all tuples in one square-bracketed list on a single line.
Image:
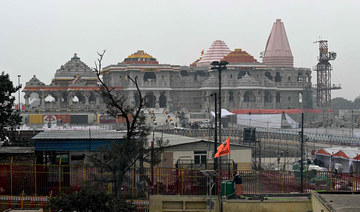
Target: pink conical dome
[(277, 52), (217, 51)]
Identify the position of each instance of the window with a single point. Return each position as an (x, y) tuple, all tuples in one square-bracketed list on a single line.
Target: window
[(200, 157), (249, 97), (268, 75), (277, 96), (277, 77), (149, 77), (242, 73), (300, 77), (231, 96), (267, 97)]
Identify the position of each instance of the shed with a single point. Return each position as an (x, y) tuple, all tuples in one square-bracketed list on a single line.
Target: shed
[(72, 145), (183, 151)]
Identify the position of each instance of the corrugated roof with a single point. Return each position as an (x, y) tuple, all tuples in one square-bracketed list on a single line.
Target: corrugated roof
[(79, 134), (175, 140)]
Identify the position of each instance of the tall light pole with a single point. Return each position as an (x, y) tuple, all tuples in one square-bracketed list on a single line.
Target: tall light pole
[(215, 133), (219, 66), (19, 106)]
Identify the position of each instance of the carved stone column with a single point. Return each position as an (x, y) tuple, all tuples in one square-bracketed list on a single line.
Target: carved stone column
[(157, 99), (86, 98), (26, 97), (58, 100), (42, 100)]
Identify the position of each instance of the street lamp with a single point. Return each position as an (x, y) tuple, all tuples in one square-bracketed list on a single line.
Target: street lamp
[(216, 65), (215, 133), (19, 106)]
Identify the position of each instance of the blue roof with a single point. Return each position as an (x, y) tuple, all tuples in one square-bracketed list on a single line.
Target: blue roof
[(76, 140)]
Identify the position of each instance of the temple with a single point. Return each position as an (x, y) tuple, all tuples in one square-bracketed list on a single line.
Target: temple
[(247, 83)]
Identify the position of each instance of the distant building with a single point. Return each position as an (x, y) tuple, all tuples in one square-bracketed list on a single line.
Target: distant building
[(73, 97)]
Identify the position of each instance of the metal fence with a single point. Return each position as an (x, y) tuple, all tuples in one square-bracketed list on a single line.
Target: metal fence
[(28, 185)]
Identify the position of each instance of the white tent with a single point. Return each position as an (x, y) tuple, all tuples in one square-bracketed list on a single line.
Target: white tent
[(224, 113), (260, 120)]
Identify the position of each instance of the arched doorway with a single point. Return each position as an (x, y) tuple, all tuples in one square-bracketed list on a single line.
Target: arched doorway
[(149, 100), (162, 100)]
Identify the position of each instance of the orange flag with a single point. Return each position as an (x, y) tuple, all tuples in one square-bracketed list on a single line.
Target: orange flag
[(223, 149), (202, 52)]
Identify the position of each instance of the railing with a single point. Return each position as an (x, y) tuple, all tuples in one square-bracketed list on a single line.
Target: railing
[(271, 133), (27, 185)]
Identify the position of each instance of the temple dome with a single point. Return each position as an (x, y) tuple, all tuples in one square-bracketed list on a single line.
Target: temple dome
[(75, 65), (140, 57), (217, 51), (239, 56), (34, 82), (277, 52)]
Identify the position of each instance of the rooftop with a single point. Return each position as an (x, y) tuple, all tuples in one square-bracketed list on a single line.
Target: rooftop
[(79, 134), (239, 56), (140, 57)]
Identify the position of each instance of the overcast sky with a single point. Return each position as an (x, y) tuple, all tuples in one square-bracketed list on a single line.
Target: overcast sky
[(37, 37)]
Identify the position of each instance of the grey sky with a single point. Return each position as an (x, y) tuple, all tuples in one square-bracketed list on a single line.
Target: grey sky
[(37, 37)]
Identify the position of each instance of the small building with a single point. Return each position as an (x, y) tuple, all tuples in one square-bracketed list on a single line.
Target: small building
[(72, 145), (197, 153), (181, 151)]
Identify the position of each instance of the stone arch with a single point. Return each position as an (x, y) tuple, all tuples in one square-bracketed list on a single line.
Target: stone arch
[(268, 97), (149, 77), (231, 96), (50, 98), (150, 100), (92, 98), (75, 99), (162, 100), (300, 77), (241, 74), (34, 100), (249, 96), (268, 75), (79, 97)]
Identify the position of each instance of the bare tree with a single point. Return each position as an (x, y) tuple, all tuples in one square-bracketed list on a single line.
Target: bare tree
[(121, 156)]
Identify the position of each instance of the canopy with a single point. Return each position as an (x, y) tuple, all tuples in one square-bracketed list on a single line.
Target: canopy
[(224, 113)]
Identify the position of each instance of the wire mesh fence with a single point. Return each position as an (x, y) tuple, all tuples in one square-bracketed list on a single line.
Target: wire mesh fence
[(26, 185)]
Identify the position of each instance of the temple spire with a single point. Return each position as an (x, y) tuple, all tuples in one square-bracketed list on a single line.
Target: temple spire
[(217, 51), (277, 52)]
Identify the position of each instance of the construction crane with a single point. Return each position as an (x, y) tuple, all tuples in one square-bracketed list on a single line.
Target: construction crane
[(324, 86)]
